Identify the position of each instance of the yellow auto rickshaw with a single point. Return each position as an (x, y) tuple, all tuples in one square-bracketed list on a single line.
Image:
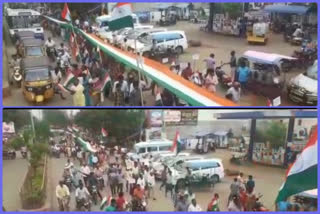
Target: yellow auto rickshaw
[(33, 48), (37, 83), (257, 33)]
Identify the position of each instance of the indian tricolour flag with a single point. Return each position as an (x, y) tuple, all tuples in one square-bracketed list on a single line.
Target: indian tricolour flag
[(302, 175), (85, 145), (65, 14), (176, 143), (121, 17)]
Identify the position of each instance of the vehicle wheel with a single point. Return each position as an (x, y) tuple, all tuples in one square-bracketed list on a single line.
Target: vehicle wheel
[(179, 50), (215, 179)]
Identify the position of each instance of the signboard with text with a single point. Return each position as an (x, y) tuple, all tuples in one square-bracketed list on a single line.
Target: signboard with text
[(181, 117)]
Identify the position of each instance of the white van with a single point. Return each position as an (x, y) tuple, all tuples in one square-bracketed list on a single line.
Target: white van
[(211, 168), (167, 39), (153, 147), (115, 36), (140, 34)]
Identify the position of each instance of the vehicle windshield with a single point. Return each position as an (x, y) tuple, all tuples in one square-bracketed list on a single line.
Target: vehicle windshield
[(34, 51), (180, 166), (312, 72), (37, 74), (146, 39), (133, 34), (23, 21)]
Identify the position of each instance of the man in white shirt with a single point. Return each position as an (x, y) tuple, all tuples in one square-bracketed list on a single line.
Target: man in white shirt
[(65, 57), (85, 170), (194, 207), (141, 181), (62, 191), (297, 32), (151, 181), (235, 91), (49, 43), (124, 85), (82, 193)]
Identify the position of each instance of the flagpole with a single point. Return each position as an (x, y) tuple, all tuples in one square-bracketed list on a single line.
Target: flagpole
[(139, 59)]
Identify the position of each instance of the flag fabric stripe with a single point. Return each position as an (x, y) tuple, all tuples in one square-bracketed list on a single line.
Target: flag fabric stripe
[(302, 174), (176, 142), (104, 132), (120, 23), (66, 12), (121, 17), (299, 182)]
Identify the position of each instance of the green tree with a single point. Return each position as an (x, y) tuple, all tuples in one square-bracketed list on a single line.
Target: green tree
[(273, 131), (20, 117), (233, 9), (56, 118), (42, 130), (119, 123)]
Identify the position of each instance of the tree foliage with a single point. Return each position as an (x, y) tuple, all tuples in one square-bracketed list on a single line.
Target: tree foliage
[(20, 117), (42, 130), (119, 123), (275, 132), (56, 117)]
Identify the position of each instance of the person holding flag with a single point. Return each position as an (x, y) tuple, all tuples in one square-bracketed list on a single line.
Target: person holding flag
[(176, 147)]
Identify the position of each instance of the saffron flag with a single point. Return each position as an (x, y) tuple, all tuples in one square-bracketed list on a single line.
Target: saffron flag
[(303, 173), (121, 17), (66, 13), (176, 143), (104, 132)]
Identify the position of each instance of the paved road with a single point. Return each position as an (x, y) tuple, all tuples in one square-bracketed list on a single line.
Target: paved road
[(220, 45), (55, 174), (268, 180), (14, 172)]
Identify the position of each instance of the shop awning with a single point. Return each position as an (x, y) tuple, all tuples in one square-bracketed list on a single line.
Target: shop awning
[(161, 74), (289, 9)]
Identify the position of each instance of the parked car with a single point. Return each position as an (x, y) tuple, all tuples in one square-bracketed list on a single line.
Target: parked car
[(303, 89), (203, 172), (175, 40)]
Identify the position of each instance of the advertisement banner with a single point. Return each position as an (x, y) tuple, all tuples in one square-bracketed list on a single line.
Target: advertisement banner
[(156, 118), (187, 117), (172, 116), (8, 128)]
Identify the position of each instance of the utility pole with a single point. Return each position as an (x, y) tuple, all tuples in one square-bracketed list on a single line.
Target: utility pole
[(211, 16), (32, 126)]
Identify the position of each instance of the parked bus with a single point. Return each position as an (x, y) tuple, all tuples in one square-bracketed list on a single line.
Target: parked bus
[(24, 20)]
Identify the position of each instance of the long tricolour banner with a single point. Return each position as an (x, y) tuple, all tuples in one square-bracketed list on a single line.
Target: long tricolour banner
[(158, 72)]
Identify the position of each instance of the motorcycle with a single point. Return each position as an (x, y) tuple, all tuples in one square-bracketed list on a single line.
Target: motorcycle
[(52, 54), (100, 182), (64, 206), (259, 207), (24, 154), (83, 204), (68, 182), (17, 77), (223, 78), (9, 155), (137, 205), (94, 194)]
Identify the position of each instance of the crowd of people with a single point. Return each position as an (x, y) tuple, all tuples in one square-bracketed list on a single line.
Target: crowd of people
[(127, 87)]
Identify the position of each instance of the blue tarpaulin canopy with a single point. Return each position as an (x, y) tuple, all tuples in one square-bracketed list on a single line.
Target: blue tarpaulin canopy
[(291, 9)]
